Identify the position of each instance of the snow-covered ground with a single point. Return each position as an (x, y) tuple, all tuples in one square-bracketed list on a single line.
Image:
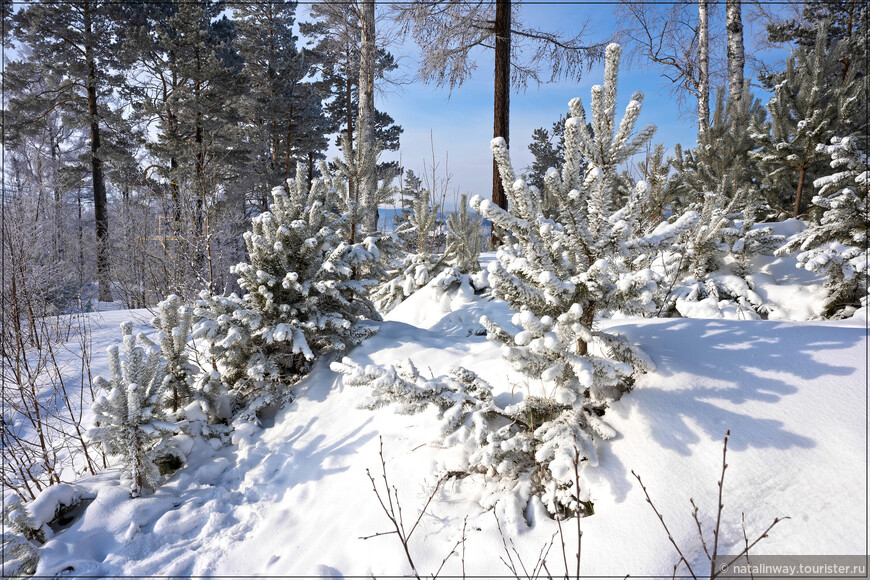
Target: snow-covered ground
[(294, 496)]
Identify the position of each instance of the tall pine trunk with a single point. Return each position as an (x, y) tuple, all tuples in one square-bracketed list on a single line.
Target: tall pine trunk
[(101, 214), (703, 67), (366, 118), (736, 56), (501, 108)]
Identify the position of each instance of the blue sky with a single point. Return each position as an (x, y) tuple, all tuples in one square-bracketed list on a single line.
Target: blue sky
[(460, 123)]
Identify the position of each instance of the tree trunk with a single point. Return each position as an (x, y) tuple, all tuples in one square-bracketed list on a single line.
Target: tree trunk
[(501, 109), (348, 119), (736, 57), (587, 319), (366, 118), (199, 156), (172, 132), (800, 189), (703, 68), (101, 214), (287, 146)]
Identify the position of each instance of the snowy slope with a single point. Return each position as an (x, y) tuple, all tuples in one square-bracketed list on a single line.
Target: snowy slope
[(294, 498)]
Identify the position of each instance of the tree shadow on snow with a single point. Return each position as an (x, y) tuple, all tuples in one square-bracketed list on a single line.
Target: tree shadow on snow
[(734, 362)]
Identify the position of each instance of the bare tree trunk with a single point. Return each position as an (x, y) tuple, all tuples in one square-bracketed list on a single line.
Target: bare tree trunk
[(501, 120), (366, 118), (736, 57), (704, 68), (101, 214)]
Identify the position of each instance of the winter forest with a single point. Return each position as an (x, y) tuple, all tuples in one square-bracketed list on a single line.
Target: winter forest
[(247, 329)]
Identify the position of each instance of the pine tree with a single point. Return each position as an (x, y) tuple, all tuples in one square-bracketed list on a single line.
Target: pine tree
[(173, 322), (74, 46), (534, 447), (815, 98), (303, 295), (416, 269), (719, 181), (664, 190), (411, 189), (559, 273), (186, 84), (282, 110), (548, 149), (336, 39), (836, 245), (127, 418), (465, 238)]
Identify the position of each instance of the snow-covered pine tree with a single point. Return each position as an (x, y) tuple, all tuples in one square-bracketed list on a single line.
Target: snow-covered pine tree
[(465, 238), (815, 98), (410, 190), (746, 239), (547, 148), (414, 270), (128, 422), (559, 273), (722, 185), (664, 191), (20, 540), (173, 323), (836, 245), (304, 293)]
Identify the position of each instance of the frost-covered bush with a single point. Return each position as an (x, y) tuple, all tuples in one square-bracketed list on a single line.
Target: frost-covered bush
[(128, 420), (836, 245), (530, 448), (304, 293)]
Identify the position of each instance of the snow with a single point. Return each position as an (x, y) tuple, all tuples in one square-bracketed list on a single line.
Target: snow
[(292, 496), (52, 499)]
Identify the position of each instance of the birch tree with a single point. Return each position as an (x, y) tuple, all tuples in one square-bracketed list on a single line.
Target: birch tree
[(736, 56), (670, 37)]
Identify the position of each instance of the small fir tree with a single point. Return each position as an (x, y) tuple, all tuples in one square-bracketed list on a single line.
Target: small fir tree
[(721, 184), (416, 269), (528, 448), (559, 272), (128, 421)]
